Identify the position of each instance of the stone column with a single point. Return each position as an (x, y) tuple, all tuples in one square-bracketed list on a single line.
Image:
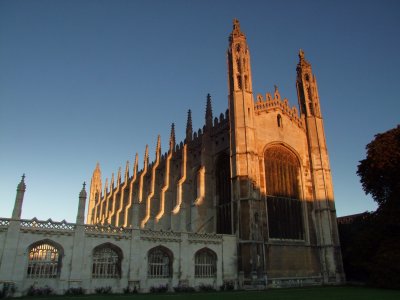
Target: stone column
[(75, 279), (7, 262)]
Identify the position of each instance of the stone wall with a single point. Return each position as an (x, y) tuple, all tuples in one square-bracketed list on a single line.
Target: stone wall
[(77, 242)]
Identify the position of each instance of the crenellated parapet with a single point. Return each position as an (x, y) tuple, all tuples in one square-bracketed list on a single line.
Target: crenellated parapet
[(269, 104)]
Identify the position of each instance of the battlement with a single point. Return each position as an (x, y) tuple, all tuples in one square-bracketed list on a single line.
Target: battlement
[(271, 104)]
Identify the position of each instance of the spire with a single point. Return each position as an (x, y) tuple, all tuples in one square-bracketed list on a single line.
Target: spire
[(135, 165), (189, 129), (172, 138), (158, 148), (119, 176), (209, 115), (236, 32), (126, 171), (146, 156), (81, 206), (19, 198), (112, 182), (106, 187)]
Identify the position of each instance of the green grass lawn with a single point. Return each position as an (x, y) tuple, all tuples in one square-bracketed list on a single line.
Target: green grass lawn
[(324, 293)]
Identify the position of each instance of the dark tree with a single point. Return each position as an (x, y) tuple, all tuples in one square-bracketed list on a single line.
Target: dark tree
[(371, 244), (380, 171)]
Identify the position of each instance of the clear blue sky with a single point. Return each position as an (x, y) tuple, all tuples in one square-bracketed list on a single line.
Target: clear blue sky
[(87, 81)]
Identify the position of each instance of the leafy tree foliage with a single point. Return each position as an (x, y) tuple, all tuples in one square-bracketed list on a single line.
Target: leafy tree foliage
[(371, 243), (380, 170)]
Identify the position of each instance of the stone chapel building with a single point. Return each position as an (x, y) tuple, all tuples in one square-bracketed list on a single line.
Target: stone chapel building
[(245, 201)]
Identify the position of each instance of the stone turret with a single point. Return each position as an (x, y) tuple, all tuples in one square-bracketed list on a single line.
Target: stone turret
[(324, 206)]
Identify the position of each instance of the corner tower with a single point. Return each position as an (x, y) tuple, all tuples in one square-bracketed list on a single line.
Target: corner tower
[(324, 206), (243, 157)]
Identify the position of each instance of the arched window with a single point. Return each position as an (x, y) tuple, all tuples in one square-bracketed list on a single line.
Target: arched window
[(282, 181), (106, 261), (44, 260), (279, 120), (160, 262), (223, 187), (205, 263)]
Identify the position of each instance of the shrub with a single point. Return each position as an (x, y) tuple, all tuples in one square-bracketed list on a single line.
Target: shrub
[(184, 289), (206, 288), (129, 290), (75, 291), (40, 291), (228, 286), (159, 289), (103, 290)]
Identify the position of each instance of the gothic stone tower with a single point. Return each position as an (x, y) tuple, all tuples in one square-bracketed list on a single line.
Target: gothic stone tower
[(259, 172), (283, 208)]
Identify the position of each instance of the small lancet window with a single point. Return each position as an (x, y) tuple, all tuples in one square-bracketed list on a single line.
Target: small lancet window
[(279, 120), (239, 68), (239, 82)]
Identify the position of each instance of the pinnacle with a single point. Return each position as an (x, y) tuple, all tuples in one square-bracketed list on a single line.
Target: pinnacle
[(209, 116), (172, 137), (83, 194)]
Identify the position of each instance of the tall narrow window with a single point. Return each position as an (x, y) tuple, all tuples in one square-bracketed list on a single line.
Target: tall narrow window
[(223, 187), (159, 262), (239, 81), (44, 260), (279, 120), (106, 261), (205, 263), (282, 172)]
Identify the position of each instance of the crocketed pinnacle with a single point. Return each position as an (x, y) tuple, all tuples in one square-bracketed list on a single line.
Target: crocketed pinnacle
[(189, 128), (209, 114), (158, 147), (172, 137), (146, 156), (236, 32)]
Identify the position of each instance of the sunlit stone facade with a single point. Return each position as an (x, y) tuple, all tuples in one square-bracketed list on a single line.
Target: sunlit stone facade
[(246, 200)]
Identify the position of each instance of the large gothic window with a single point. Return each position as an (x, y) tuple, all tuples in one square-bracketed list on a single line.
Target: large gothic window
[(44, 260), (160, 262), (282, 172), (205, 263), (106, 261), (223, 187)]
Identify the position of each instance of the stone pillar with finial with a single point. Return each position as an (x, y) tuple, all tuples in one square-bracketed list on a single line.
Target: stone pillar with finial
[(81, 207), (19, 198), (75, 279), (9, 255)]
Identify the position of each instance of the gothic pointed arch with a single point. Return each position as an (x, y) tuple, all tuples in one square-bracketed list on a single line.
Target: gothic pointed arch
[(283, 193), (223, 189), (107, 260), (45, 259), (159, 261), (205, 263)]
